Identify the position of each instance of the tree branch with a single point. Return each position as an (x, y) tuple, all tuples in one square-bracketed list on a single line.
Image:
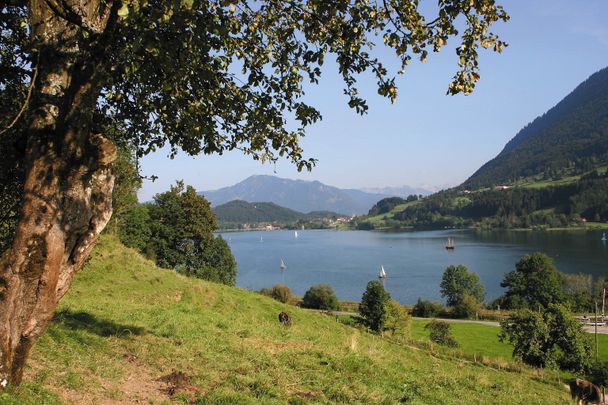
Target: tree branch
[(26, 101)]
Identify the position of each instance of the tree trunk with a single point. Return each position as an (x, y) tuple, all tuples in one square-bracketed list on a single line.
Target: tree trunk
[(68, 185)]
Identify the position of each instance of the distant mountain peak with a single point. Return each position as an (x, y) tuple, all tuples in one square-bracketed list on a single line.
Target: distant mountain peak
[(298, 195)]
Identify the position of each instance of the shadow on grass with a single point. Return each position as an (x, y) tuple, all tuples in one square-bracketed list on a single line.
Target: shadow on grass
[(87, 322)]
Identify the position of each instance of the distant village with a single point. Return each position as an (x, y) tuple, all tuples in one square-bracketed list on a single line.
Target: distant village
[(329, 222)]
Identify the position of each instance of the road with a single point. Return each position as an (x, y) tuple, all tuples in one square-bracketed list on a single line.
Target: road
[(603, 330)]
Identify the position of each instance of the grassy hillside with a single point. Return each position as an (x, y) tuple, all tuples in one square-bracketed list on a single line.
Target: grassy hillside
[(130, 333)]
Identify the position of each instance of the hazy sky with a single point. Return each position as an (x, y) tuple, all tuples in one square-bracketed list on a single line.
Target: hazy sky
[(427, 138)]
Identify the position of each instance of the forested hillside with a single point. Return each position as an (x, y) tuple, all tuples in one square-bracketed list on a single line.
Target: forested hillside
[(553, 173), (569, 139), (235, 214)]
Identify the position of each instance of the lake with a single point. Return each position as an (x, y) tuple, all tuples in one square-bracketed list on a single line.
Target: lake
[(414, 261)]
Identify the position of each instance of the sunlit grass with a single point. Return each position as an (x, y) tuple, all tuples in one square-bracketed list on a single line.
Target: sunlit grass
[(125, 324)]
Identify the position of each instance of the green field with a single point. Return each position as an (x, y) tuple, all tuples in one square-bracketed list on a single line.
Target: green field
[(378, 220), (482, 340), (126, 326)]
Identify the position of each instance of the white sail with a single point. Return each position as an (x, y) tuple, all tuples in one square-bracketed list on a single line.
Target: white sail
[(283, 266), (382, 272), (450, 244), (604, 236), (295, 234)]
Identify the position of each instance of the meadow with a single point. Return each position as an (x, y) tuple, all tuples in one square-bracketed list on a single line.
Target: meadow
[(128, 332)]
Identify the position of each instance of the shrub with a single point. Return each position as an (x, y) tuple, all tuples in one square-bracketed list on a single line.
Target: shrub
[(440, 332), (598, 374), (467, 307), (398, 321), (281, 293), (373, 306), (320, 296), (427, 309)]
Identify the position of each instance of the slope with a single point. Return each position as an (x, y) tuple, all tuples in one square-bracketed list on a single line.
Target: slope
[(570, 138), (130, 333)]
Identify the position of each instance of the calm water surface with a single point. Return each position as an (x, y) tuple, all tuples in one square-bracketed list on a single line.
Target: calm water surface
[(414, 261)]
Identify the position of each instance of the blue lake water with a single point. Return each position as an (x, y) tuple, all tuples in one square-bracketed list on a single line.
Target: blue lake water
[(414, 261)]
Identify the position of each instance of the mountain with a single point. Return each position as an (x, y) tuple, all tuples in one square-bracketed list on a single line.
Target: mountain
[(569, 139), (298, 195), (553, 173), (241, 212)]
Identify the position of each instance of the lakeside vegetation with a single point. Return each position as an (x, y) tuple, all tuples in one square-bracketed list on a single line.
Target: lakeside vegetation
[(243, 215)]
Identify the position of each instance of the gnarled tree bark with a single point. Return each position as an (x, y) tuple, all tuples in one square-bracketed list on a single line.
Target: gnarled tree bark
[(68, 186)]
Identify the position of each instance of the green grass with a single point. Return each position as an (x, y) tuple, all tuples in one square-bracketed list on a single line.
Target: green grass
[(482, 340), (378, 220), (125, 324)]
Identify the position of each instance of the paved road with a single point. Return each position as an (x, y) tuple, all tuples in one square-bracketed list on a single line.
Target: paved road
[(603, 330)]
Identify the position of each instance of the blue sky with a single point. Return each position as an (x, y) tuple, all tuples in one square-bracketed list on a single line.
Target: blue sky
[(427, 138)]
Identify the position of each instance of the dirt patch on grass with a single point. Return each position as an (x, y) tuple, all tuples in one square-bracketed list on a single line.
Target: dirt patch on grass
[(137, 385), (178, 383)]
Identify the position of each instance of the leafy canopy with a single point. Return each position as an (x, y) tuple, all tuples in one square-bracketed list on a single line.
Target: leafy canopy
[(177, 232), (535, 282), (548, 338), (320, 296), (207, 76), (457, 283)]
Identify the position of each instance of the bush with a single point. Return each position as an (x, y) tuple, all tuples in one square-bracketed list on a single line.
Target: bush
[(467, 307), (281, 293), (398, 321), (427, 309), (598, 374), (373, 306), (441, 333), (320, 296)]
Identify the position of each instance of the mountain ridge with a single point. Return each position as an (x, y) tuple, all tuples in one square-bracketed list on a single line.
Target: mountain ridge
[(241, 212), (552, 174), (299, 195), (571, 137)]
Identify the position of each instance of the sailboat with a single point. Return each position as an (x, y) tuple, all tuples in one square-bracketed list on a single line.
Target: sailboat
[(283, 266), (295, 234), (382, 273), (450, 245), (604, 237)]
